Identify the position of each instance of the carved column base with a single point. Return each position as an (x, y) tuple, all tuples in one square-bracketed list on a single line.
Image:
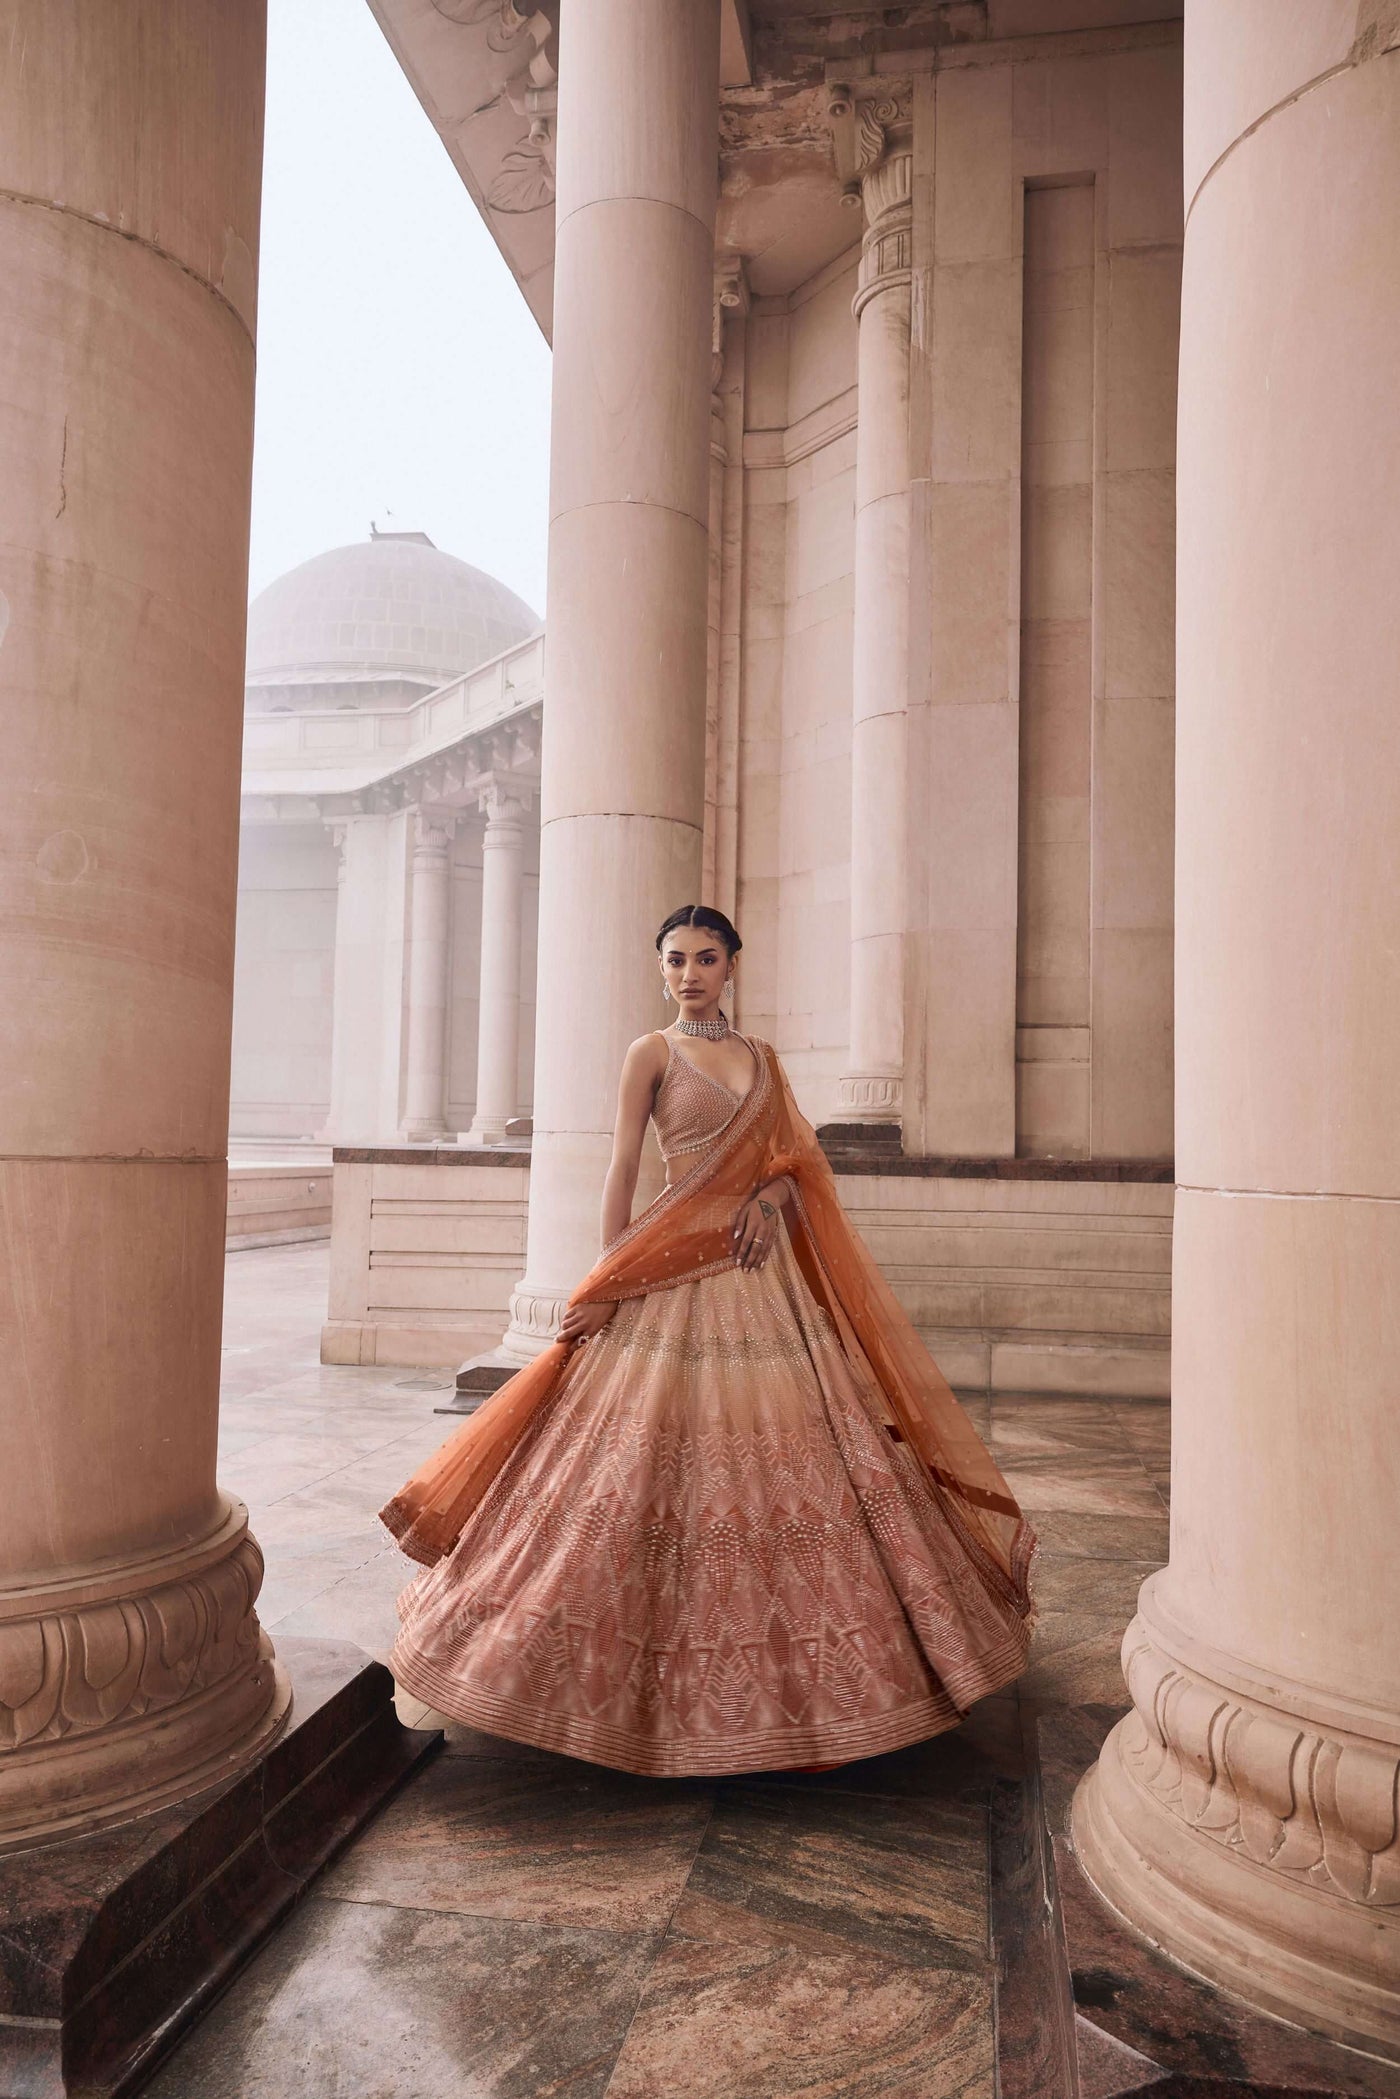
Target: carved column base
[(127, 1688), (1256, 1844), (489, 1129), (534, 1322), (870, 1097), (426, 1132)]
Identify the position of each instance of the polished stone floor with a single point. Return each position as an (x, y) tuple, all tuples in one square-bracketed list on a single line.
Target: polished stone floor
[(520, 1926)]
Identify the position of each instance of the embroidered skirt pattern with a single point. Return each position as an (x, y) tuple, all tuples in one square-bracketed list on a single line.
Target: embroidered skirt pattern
[(710, 1552)]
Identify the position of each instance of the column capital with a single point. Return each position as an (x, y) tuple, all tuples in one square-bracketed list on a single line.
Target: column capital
[(432, 833), (867, 122), (886, 254), (503, 799)]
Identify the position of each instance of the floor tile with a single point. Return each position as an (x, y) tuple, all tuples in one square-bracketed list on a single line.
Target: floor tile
[(360, 1605), (1084, 1534), (578, 1846), (1088, 1481), (834, 1871), (1076, 1659), (759, 2021), (1106, 1588), (352, 2001)]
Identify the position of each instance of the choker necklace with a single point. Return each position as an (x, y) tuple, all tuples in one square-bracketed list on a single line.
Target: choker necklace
[(714, 1030)]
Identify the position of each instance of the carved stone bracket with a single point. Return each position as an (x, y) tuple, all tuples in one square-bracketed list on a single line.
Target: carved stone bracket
[(522, 53), (731, 295), (864, 126)]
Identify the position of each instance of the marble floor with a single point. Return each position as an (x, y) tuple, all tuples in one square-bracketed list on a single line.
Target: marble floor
[(520, 1926)]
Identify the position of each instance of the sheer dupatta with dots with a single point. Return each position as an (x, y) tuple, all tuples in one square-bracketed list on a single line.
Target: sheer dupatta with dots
[(685, 1234)]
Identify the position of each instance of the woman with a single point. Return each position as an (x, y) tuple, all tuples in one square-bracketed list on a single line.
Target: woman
[(733, 1519)]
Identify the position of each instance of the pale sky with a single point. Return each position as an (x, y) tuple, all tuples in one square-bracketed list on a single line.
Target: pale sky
[(401, 376)]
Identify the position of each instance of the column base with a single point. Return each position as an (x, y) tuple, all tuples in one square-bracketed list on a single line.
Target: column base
[(1256, 1846), (426, 1133), (870, 1097), (534, 1322), (115, 1943), (489, 1129), (477, 1379), (134, 1685)]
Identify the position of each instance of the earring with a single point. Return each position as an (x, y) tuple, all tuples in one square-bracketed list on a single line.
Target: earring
[(729, 987), (666, 993)]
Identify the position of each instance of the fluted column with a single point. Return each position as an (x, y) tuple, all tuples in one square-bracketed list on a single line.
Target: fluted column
[(498, 1025), (1244, 1814), (132, 1667), (872, 1086), (430, 919), (622, 805)]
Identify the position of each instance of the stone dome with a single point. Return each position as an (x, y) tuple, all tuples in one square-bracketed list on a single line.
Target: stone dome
[(393, 613)]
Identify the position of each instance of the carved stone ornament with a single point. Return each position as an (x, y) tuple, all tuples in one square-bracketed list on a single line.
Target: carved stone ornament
[(112, 1703), (862, 131), (520, 53), (1318, 1807), (870, 1096), (1257, 1844), (534, 1322), (887, 251)]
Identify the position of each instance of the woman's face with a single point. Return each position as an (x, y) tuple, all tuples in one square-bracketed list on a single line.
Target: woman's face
[(695, 963)]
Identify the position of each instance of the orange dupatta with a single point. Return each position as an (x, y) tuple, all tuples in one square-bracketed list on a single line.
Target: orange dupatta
[(685, 1234)]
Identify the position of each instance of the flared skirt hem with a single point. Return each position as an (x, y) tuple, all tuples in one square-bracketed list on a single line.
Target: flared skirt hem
[(767, 1749)]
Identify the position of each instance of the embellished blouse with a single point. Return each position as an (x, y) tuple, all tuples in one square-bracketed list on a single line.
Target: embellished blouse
[(691, 1108)]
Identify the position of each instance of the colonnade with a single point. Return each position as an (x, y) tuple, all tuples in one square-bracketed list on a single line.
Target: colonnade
[(415, 1074), (1245, 1813), (132, 1666)]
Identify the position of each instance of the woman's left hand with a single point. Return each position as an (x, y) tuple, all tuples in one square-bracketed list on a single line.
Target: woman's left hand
[(755, 1229)]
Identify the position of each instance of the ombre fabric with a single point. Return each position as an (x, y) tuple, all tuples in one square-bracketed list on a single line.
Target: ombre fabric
[(747, 1526)]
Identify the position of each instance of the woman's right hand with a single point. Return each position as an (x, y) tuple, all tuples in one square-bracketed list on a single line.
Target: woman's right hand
[(582, 1322)]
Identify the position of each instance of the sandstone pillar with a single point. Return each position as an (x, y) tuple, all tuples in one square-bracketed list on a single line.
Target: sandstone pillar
[(498, 1028), (872, 1087), (1244, 1814), (622, 805), (132, 1667), (430, 918)]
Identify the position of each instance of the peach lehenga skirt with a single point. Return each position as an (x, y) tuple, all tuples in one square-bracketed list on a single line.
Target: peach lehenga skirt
[(708, 1553)]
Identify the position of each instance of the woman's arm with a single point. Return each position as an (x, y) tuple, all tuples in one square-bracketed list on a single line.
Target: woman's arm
[(636, 1092), (641, 1070)]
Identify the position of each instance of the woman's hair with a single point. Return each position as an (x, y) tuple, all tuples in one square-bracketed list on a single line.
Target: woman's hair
[(701, 915)]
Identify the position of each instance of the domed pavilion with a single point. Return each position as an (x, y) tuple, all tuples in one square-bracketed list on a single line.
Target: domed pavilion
[(391, 745)]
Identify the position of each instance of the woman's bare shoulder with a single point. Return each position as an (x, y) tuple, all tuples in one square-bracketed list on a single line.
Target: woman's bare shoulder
[(647, 1055)]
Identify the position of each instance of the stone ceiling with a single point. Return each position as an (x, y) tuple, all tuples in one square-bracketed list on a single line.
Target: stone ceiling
[(485, 72)]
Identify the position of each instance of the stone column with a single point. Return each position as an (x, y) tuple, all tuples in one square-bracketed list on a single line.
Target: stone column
[(622, 803), (498, 1024), (872, 1087), (132, 1667), (430, 919), (342, 1043), (1244, 1814)]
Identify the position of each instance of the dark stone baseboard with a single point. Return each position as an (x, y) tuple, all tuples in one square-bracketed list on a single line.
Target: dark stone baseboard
[(111, 1945), (1088, 2010)]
